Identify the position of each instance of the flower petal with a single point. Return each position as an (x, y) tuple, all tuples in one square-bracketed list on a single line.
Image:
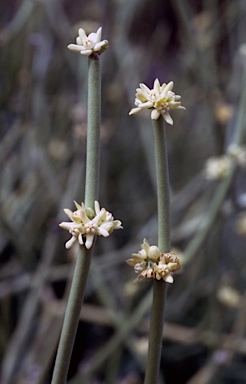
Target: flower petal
[(66, 225), (98, 34), (130, 262), (168, 279), (78, 206), (98, 46), (75, 48), (84, 217), (144, 88), (97, 207), (157, 86), (102, 231), (168, 118), (101, 216), (147, 104), (89, 240), (141, 95), (145, 246), (82, 34), (167, 88), (134, 110), (116, 225), (155, 114), (173, 104), (86, 52), (69, 213), (71, 242), (80, 238), (154, 253)]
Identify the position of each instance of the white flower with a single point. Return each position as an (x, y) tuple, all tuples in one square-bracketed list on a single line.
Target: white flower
[(149, 262), (160, 99), (238, 154), (87, 45), (229, 296), (168, 263), (85, 225), (217, 168)]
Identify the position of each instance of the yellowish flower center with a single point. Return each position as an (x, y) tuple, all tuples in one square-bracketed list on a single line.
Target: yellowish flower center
[(161, 104), (153, 95), (91, 228), (88, 43)]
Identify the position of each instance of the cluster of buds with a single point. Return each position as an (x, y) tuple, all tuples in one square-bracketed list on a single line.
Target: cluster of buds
[(87, 45), (160, 100), (151, 263), (86, 224)]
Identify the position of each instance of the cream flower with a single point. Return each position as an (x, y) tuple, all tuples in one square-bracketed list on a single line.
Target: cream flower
[(149, 262), (168, 263), (85, 224), (160, 99), (87, 45), (217, 168), (238, 154)]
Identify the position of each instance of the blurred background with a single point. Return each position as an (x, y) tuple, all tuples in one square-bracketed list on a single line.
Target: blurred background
[(200, 45)]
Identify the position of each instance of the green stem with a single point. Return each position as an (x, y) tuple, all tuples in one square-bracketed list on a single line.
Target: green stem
[(93, 133), (162, 179), (83, 260), (159, 287), (71, 319)]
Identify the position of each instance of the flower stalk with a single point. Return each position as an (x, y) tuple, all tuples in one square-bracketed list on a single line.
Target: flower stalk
[(83, 260), (93, 132), (159, 286), (70, 324)]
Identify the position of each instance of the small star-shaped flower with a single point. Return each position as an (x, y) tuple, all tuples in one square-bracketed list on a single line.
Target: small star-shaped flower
[(150, 263), (87, 45), (84, 228), (161, 99)]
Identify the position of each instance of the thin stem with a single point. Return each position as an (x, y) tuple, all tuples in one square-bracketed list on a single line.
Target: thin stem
[(93, 132), (83, 260), (159, 287), (162, 179), (72, 314)]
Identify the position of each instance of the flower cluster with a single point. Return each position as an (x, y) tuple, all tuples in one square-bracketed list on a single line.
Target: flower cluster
[(160, 100), (217, 168), (86, 224), (229, 296), (238, 155), (151, 263), (87, 45)]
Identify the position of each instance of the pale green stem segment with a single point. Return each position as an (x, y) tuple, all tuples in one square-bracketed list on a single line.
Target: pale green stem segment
[(162, 180), (93, 133), (159, 287), (71, 319), (83, 260)]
